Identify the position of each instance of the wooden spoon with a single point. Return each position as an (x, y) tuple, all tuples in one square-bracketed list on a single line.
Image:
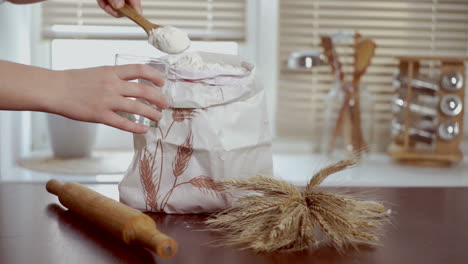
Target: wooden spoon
[(131, 13), (364, 50)]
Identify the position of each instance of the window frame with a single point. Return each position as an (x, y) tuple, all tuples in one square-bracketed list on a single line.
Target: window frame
[(262, 18)]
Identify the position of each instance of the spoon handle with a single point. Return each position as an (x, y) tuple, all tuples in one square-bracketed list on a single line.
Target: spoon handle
[(131, 13)]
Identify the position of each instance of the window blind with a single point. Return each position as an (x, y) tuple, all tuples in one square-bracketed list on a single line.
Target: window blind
[(202, 19), (401, 27)]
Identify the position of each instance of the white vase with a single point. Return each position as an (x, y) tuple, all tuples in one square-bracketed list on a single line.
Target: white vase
[(70, 138)]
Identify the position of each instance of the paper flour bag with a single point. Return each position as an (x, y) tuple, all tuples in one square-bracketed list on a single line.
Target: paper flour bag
[(217, 128)]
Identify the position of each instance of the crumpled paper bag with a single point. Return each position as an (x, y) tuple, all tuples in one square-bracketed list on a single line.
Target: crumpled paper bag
[(217, 128)]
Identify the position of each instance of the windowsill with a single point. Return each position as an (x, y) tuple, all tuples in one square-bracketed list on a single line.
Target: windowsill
[(100, 162), (375, 170), (26, 173)]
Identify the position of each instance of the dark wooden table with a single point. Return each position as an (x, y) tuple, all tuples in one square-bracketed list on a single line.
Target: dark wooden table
[(429, 225)]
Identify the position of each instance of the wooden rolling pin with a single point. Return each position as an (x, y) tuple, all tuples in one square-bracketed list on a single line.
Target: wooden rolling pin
[(126, 223)]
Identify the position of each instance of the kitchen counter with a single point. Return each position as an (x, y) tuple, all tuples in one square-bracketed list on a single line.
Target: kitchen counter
[(428, 225), (374, 170)]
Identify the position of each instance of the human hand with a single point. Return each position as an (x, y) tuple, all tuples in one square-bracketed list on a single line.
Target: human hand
[(96, 94), (111, 6)]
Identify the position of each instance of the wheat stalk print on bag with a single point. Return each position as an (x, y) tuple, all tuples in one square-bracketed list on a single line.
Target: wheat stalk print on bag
[(181, 162), (151, 177), (181, 114), (273, 215), (208, 185)]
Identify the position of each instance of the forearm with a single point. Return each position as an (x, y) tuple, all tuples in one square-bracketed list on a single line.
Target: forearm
[(90, 94), (25, 87)]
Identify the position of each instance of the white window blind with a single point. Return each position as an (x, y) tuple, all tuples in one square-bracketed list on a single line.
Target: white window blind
[(202, 19), (400, 27)]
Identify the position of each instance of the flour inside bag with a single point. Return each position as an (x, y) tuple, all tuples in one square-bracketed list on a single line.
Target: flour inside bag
[(217, 128)]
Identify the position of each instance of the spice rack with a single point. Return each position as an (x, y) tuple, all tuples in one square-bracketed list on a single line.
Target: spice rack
[(427, 127)]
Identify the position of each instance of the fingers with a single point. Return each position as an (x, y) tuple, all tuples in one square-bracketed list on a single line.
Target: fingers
[(139, 108), (136, 4), (101, 3), (147, 93), (110, 6), (111, 11), (139, 71), (114, 120), (116, 4), (133, 107)]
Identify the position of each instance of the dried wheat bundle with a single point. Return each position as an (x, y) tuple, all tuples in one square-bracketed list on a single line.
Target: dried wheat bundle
[(273, 215)]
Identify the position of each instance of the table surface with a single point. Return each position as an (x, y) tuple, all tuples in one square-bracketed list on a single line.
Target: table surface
[(429, 225)]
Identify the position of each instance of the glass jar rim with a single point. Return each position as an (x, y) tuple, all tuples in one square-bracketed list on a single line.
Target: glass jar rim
[(123, 59), (138, 58)]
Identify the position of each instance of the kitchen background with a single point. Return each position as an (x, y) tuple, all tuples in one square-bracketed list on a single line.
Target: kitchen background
[(63, 34)]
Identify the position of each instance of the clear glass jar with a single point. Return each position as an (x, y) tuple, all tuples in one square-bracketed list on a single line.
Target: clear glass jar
[(337, 143), (161, 66)]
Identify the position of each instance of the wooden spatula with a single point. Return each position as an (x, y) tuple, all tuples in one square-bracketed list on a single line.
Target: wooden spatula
[(364, 50)]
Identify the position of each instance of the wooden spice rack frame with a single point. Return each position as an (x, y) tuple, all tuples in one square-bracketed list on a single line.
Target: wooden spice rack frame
[(444, 152)]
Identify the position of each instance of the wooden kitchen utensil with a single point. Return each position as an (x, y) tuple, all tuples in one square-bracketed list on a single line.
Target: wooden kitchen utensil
[(342, 119), (131, 13), (128, 224), (332, 58), (364, 50), (337, 71), (349, 115)]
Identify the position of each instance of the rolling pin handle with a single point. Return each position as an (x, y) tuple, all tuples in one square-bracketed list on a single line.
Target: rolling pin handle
[(54, 186), (142, 230), (164, 246)]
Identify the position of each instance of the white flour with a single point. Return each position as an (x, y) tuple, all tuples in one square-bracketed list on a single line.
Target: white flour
[(169, 39), (193, 60)]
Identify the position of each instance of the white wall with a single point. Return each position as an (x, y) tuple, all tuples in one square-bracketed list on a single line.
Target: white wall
[(14, 46), (261, 47), (269, 11)]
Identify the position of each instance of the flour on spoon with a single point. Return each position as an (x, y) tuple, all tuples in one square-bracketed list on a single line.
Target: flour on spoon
[(169, 39)]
